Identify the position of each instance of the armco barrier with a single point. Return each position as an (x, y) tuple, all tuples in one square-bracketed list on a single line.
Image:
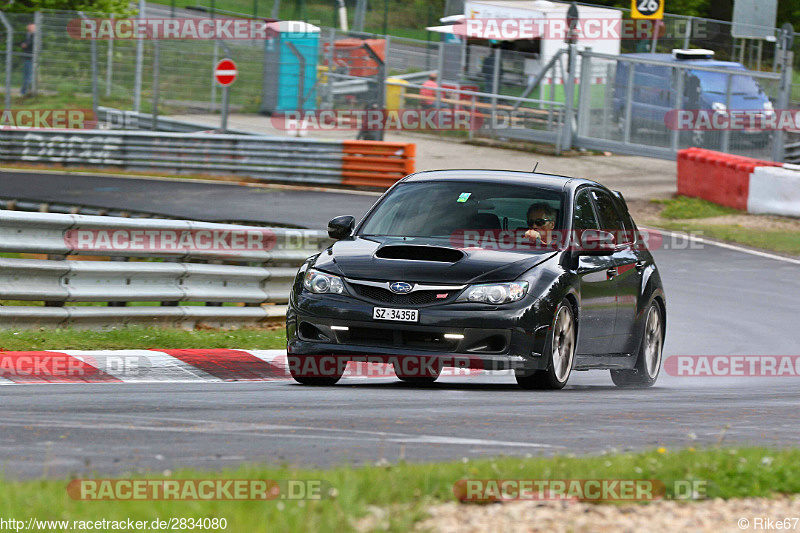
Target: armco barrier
[(717, 177), (280, 159), (376, 164), (164, 277)]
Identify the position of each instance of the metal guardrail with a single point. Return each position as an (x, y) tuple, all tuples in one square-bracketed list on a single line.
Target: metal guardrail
[(173, 280), (276, 159), (792, 153), (265, 158)]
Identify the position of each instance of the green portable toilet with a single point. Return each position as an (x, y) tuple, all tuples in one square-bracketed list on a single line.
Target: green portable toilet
[(290, 66)]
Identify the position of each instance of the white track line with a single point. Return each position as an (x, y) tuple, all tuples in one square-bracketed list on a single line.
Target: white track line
[(211, 427), (727, 246)]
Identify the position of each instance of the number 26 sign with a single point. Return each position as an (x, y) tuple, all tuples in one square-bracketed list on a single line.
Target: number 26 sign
[(647, 9)]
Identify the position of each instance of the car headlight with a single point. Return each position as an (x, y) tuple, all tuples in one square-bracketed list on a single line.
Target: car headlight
[(768, 106), (321, 283), (719, 106), (495, 293)]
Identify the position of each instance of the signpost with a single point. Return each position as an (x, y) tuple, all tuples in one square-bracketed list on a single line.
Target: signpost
[(649, 10), (225, 73)]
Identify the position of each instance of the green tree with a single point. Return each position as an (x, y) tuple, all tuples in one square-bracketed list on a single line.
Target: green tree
[(91, 6)]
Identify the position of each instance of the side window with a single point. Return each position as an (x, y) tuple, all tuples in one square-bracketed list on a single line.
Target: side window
[(610, 217), (584, 214)]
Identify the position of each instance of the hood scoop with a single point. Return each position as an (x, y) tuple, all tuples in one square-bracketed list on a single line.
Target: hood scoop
[(420, 253)]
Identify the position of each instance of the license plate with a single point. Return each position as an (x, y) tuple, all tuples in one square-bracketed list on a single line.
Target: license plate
[(403, 315)]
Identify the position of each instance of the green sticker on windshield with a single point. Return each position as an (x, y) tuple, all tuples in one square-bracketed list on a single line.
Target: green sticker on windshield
[(464, 197)]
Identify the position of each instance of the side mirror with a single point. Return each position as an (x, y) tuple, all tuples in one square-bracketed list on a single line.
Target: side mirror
[(595, 242), (341, 227)]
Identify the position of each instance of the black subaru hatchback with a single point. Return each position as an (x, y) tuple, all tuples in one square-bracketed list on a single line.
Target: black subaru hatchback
[(485, 269)]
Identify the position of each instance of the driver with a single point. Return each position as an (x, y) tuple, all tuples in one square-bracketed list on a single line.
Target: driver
[(541, 222)]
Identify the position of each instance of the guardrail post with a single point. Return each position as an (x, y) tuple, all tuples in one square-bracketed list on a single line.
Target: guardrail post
[(109, 61), (675, 140), (9, 49), (496, 87), (213, 81), (93, 48), (137, 80), (37, 49), (626, 135), (726, 133), (156, 67), (584, 112), (440, 69), (687, 37), (569, 97), (783, 103)]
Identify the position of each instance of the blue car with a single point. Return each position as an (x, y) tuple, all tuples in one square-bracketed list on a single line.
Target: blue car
[(654, 89)]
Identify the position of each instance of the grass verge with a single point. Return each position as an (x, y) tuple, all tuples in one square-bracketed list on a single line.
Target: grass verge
[(684, 207), (134, 337), (786, 242), (405, 491), (777, 234)]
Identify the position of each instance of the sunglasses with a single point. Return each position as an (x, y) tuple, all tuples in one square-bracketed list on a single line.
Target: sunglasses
[(539, 221)]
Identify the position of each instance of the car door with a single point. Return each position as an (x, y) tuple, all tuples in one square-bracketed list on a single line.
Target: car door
[(623, 272), (598, 291)]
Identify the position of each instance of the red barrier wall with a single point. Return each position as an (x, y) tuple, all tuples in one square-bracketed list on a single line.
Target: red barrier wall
[(717, 177)]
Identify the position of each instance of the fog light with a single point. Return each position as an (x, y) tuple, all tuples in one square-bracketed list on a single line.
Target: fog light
[(455, 336)]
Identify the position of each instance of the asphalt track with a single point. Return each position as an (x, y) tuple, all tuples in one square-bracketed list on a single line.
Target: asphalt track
[(190, 199), (720, 301)]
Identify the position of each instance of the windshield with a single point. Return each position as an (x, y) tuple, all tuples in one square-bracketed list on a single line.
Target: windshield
[(444, 208), (717, 83)]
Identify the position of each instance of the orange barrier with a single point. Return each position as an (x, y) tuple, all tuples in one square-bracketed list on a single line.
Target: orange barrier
[(717, 177), (376, 163)]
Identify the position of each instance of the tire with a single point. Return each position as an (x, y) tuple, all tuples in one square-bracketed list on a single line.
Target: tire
[(648, 360), (295, 363), (427, 379), (560, 347)]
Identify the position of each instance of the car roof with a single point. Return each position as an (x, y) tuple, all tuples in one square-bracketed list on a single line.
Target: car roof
[(698, 62), (510, 177)]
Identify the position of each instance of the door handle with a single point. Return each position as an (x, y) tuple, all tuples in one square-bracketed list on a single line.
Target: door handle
[(640, 265), (611, 272)]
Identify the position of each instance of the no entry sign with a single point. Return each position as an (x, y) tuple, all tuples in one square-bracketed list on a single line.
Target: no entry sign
[(225, 72)]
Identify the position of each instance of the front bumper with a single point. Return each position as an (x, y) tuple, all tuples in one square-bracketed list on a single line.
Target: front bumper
[(510, 336)]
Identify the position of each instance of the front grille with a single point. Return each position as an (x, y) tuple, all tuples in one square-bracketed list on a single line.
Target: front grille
[(414, 298), (400, 338)]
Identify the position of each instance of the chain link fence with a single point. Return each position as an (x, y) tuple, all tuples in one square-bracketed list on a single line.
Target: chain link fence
[(605, 105)]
